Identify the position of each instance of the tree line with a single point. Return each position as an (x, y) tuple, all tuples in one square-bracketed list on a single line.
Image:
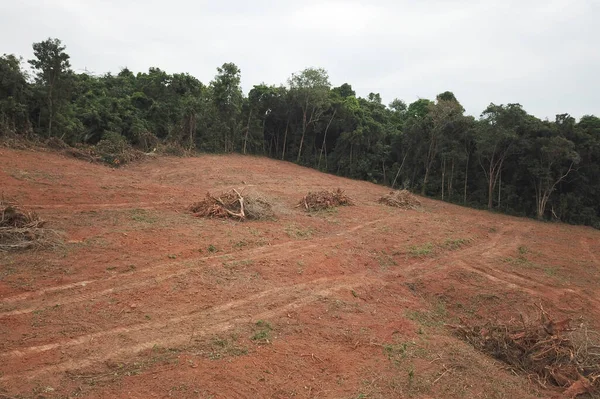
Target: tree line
[(506, 159)]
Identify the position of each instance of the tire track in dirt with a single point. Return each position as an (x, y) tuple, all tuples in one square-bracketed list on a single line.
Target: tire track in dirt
[(163, 272), (93, 348), (484, 248), (474, 260), (586, 245), (94, 206)]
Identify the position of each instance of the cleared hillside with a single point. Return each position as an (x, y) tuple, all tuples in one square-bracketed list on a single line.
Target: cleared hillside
[(145, 300)]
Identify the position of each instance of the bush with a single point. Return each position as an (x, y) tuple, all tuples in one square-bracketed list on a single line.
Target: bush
[(114, 150)]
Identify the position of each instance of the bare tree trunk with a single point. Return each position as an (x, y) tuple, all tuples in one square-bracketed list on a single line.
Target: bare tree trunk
[(383, 164), (192, 129), (326, 166), (304, 125), (490, 190), (325, 139), (451, 181), (499, 186), (430, 158), (443, 175), (247, 131), (466, 180), (398, 173), (263, 137), (285, 140), (543, 194), (425, 180)]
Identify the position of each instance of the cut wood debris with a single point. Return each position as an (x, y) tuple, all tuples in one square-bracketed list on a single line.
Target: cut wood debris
[(23, 230), (400, 199), (553, 352), (233, 204), (315, 201)]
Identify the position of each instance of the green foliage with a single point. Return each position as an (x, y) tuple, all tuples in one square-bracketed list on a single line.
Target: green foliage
[(422, 250), (505, 160)]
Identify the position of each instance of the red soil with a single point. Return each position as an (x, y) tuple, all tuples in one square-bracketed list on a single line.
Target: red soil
[(144, 300)]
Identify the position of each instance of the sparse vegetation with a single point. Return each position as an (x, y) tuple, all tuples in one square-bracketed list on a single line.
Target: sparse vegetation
[(293, 231), (143, 216), (263, 333), (222, 347), (421, 250), (453, 244)]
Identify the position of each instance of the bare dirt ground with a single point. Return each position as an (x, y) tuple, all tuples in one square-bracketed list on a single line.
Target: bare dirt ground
[(145, 300)]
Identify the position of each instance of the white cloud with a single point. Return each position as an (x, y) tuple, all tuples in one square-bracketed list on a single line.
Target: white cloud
[(539, 53)]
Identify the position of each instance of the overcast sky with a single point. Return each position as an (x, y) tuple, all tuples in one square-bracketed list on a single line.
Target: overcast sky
[(544, 54)]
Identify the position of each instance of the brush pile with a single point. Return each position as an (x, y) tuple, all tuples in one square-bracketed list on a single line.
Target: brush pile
[(232, 204), (325, 200), (23, 230), (550, 351), (400, 199)]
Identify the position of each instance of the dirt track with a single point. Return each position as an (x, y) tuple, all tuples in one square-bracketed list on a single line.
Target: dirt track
[(146, 301)]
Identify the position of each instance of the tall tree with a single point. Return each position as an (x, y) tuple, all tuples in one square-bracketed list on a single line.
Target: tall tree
[(52, 68), (496, 137), (227, 97), (310, 90), (14, 94)]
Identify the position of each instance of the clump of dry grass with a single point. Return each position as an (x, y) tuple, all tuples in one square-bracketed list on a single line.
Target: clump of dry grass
[(315, 201), (23, 230), (551, 351), (400, 199), (232, 204)]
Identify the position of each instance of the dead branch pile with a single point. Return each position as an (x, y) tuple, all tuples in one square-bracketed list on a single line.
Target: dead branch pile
[(315, 201), (400, 199), (22, 230), (551, 351), (232, 204)]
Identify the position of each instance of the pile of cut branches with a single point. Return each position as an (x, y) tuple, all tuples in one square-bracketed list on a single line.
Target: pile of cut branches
[(23, 230), (400, 199), (316, 201), (232, 204), (551, 351)]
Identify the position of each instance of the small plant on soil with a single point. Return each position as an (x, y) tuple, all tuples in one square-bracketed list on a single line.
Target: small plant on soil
[(263, 335), (223, 347), (453, 244), (294, 231), (422, 250)]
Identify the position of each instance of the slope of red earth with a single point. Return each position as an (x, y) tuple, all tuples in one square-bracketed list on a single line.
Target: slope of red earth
[(144, 300)]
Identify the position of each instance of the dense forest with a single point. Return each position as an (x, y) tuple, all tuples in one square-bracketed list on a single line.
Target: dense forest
[(506, 159)]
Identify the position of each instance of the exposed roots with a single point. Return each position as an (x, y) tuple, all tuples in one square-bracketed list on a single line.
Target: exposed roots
[(400, 199), (551, 351), (315, 201), (23, 230), (232, 204)]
